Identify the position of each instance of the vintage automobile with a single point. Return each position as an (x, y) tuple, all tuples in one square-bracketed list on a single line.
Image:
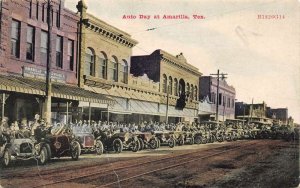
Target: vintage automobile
[(17, 147), (118, 141), (62, 143), (88, 143), (199, 137), (5, 153), (147, 140), (165, 138), (189, 137)]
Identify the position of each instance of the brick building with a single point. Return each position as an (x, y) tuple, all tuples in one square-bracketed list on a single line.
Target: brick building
[(176, 77), (23, 57), (208, 88)]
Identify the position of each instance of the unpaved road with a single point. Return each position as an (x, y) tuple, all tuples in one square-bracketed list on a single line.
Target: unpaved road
[(249, 163)]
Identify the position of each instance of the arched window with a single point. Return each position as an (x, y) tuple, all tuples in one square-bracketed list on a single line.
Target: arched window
[(165, 82), (89, 62), (192, 92), (124, 72), (103, 65), (170, 88), (196, 93), (113, 73), (188, 91), (175, 87)]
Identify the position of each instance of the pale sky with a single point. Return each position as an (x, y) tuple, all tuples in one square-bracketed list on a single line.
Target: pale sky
[(260, 56)]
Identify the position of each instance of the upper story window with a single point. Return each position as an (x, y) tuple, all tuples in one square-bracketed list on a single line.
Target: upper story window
[(165, 83), (59, 54), (114, 69), (37, 10), (170, 88), (44, 47), (15, 38), (175, 87), (124, 72), (30, 43), (188, 91), (220, 99), (70, 57), (103, 66), (89, 62), (30, 9)]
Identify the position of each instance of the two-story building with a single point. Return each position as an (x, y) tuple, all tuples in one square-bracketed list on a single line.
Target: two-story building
[(24, 52), (226, 98)]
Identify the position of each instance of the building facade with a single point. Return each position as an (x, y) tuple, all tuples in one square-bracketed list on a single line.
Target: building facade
[(176, 78), (23, 59), (226, 98)]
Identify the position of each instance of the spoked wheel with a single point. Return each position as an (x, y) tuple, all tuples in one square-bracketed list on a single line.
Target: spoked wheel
[(75, 150), (117, 145), (6, 158), (153, 143), (192, 141), (197, 140), (180, 141), (43, 158), (135, 145), (171, 143), (142, 145), (99, 147)]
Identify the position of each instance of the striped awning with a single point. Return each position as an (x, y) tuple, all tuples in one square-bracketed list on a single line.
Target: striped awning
[(37, 87)]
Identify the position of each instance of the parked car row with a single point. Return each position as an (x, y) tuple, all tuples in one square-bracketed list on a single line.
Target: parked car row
[(72, 141)]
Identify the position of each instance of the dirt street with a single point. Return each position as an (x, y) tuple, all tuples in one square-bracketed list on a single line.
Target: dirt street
[(249, 163)]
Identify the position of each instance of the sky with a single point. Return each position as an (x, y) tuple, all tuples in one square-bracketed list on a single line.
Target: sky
[(260, 56)]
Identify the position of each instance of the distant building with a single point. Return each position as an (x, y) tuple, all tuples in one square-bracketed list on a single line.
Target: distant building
[(208, 88), (279, 114)]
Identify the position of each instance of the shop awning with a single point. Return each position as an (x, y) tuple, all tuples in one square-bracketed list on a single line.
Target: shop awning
[(38, 87)]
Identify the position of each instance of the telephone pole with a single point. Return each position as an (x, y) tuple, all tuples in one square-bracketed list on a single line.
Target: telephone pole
[(47, 109), (218, 87)]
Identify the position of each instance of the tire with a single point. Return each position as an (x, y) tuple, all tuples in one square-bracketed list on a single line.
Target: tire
[(158, 142), (135, 145), (142, 145), (171, 143), (6, 161), (220, 139), (153, 143), (181, 142), (49, 153), (99, 147), (192, 141), (197, 139), (117, 145), (43, 158), (75, 150)]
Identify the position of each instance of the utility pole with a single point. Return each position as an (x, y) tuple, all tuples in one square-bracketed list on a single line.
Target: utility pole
[(48, 72), (218, 87)]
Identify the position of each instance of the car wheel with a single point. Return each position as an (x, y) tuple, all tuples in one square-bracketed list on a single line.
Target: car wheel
[(75, 150), (171, 143), (99, 147), (135, 145), (6, 157), (49, 153), (142, 145), (153, 143), (117, 145), (192, 141), (43, 155), (197, 139)]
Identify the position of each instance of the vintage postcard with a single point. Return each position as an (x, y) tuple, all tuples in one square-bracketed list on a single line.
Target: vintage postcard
[(149, 93)]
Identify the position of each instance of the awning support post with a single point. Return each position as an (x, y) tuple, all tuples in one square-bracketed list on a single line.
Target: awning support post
[(3, 105), (90, 111), (67, 112), (107, 113)]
